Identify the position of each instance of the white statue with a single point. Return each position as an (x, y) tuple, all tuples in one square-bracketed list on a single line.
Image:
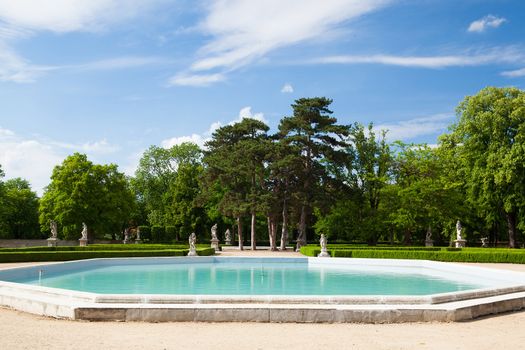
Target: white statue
[(485, 242), (228, 236), (138, 234), (459, 228), (429, 235), (192, 240), (324, 251), (126, 235), (84, 232), (214, 232), (54, 229)]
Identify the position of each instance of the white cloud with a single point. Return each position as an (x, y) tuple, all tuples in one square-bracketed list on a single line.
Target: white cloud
[(15, 69), (514, 73), (490, 56), (69, 15), (412, 128), (23, 18), (195, 79), (243, 31), (287, 88), (194, 138), (34, 158), (200, 139), (482, 24), (123, 62)]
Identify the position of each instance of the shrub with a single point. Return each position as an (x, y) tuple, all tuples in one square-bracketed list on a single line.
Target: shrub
[(171, 233), (145, 233), (158, 234)]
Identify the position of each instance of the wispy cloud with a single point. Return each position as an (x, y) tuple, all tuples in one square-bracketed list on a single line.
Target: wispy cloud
[(62, 16), (244, 31), (34, 158), (196, 79), (413, 128), (287, 88), (23, 18), (482, 24), (514, 73), (490, 56), (200, 139)]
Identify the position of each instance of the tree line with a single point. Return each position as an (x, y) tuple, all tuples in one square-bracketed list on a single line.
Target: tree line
[(312, 175)]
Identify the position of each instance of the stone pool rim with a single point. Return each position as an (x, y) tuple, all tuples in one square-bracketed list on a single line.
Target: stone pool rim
[(452, 306)]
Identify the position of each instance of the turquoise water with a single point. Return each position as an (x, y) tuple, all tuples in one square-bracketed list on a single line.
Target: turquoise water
[(248, 279)]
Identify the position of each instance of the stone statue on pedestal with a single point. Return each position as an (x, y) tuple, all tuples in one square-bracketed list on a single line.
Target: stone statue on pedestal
[(137, 239), (324, 251), (126, 235), (52, 241), (228, 237), (429, 242), (54, 229), (84, 239), (214, 239), (459, 228), (460, 242), (484, 242), (192, 240), (214, 232)]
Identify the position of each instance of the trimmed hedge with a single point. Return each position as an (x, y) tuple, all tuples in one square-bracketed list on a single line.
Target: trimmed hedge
[(108, 247), (33, 256), (485, 255)]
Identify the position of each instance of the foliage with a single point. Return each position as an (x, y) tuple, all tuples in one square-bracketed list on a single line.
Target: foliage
[(81, 191), (488, 144)]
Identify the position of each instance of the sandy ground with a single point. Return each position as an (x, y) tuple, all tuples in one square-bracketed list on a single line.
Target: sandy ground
[(24, 331)]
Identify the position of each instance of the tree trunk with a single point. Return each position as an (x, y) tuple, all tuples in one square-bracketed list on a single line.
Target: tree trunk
[(284, 231), (239, 232), (511, 225), (252, 236), (408, 237), (301, 238), (272, 224)]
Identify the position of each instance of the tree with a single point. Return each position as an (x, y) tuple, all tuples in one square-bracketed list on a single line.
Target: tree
[(236, 160), (81, 191), (317, 138), (155, 177), (488, 142), (21, 210), (369, 174)]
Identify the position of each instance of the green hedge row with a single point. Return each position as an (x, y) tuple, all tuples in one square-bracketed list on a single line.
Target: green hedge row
[(485, 255), (33, 256), (107, 247)]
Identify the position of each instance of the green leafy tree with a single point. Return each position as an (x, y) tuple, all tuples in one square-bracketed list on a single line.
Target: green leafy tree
[(317, 139), (235, 160), (488, 143), (81, 191), (21, 210), (369, 173)]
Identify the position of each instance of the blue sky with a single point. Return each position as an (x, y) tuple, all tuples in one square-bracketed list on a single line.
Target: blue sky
[(111, 77)]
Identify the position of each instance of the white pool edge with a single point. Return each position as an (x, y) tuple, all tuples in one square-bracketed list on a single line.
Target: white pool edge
[(454, 306)]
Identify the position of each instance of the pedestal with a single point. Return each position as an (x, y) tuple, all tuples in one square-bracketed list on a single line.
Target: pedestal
[(228, 242), (52, 242), (460, 243), (429, 243), (192, 252), (126, 241), (138, 241), (83, 242), (215, 244), (323, 254)]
